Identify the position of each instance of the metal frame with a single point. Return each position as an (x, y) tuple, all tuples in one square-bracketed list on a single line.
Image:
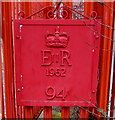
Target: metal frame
[(8, 58)]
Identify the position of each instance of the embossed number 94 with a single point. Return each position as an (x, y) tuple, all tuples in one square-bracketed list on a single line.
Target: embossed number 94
[(59, 72), (52, 93)]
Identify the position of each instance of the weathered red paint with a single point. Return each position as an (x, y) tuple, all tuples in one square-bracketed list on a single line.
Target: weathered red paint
[(28, 112), (113, 96), (8, 59), (56, 86), (48, 112), (1, 77), (105, 57), (88, 8), (26, 7), (105, 53), (66, 110), (100, 101), (24, 112), (65, 113), (84, 114)]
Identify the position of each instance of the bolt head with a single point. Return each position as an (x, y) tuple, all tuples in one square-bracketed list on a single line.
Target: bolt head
[(18, 37), (18, 90), (97, 36), (93, 91)]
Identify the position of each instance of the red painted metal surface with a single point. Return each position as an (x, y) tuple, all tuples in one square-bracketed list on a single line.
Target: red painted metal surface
[(8, 59), (26, 7), (53, 77), (28, 112), (1, 77), (105, 57), (65, 113), (66, 110), (113, 95), (36, 6), (48, 112), (84, 114), (104, 82), (106, 14), (88, 8)]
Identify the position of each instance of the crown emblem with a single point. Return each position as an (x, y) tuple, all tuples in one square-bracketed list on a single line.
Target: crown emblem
[(57, 39)]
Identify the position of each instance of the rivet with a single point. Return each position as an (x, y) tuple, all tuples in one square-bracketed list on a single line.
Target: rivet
[(18, 37), (18, 90), (97, 36), (93, 91)]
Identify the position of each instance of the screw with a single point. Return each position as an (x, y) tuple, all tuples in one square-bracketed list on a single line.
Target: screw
[(93, 91), (18, 90), (18, 37), (97, 36), (93, 50)]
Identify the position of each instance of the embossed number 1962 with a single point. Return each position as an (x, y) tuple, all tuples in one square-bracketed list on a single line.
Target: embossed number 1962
[(59, 72)]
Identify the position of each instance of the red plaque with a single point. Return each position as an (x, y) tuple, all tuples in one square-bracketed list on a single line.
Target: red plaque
[(56, 62)]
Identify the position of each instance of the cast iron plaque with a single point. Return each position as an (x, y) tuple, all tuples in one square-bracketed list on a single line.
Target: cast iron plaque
[(56, 62)]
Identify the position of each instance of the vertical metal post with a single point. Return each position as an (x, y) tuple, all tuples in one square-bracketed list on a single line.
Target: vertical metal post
[(105, 56), (88, 8), (1, 80), (28, 112), (70, 5), (65, 112), (111, 84), (8, 59), (112, 109), (84, 114), (26, 7), (112, 112), (112, 103), (47, 112)]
